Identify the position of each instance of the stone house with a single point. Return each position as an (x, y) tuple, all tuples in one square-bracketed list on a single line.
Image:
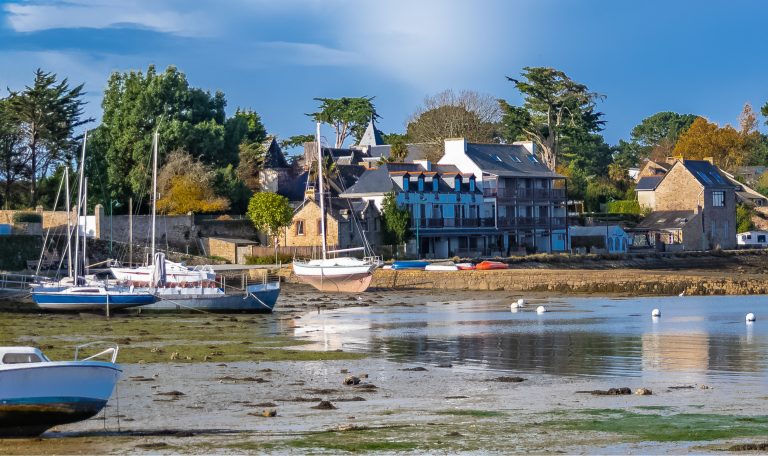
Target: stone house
[(701, 188), (653, 168), (348, 224), (670, 231)]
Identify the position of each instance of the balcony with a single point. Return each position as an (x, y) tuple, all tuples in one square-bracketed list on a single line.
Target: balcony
[(437, 223), (531, 222), (530, 194)]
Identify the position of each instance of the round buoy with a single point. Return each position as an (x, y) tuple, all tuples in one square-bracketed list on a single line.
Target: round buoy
[(750, 317), (655, 313), (514, 308), (520, 302), (540, 309)]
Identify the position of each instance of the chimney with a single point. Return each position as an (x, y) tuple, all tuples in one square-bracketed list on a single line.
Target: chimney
[(711, 160)]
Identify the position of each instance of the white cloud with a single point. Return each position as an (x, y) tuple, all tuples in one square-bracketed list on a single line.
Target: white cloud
[(306, 54), (159, 16)]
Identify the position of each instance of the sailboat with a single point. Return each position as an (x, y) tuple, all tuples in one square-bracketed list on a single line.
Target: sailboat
[(82, 295), (338, 274), (182, 289)]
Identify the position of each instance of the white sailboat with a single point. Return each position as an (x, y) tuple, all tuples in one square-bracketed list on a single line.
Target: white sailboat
[(342, 274)]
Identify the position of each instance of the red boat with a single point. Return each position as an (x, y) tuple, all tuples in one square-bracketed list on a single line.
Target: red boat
[(490, 265), (465, 266)]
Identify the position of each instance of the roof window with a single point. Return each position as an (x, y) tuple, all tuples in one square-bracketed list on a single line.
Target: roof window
[(533, 158)]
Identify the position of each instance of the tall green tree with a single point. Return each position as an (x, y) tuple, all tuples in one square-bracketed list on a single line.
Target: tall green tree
[(136, 103), (347, 116), (554, 106), (12, 159), (657, 135), (48, 112), (397, 221), (270, 213)]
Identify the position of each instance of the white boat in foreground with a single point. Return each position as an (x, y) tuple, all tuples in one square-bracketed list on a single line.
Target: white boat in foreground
[(37, 393)]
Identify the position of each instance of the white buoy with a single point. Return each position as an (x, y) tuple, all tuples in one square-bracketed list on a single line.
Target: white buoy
[(513, 308), (655, 313), (750, 317), (540, 309), (520, 302), (682, 294)]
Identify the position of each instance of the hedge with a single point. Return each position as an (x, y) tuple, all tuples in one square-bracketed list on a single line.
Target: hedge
[(623, 207), (281, 258), (27, 217)]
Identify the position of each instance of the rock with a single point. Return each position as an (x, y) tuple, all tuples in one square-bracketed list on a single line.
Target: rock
[(363, 375), (344, 371), (445, 365), (351, 380), (749, 447), (414, 369), (266, 404), (324, 405), (609, 392), (507, 379), (171, 393), (366, 386), (174, 355), (453, 434), (643, 392), (269, 413)]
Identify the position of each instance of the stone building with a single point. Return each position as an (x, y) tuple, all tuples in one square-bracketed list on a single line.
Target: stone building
[(699, 187), (348, 224)]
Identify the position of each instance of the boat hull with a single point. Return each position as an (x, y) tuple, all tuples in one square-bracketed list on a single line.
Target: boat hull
[(259, 299), (83, 302), (351, 278), (491, 266), (38, 396), (441, 267), (402, 265)]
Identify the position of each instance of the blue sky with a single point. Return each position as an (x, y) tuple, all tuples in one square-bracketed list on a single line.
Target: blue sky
[(701, 57)]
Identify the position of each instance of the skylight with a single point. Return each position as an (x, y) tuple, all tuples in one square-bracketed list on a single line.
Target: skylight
[(704, 177), (497, 158), (517, 159), (532, 158)]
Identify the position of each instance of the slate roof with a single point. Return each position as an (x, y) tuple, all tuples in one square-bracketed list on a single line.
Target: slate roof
[(293, 189), (372, 181), (576, 231), (372, 136), (665, 220), (274, 157), (508, 160), (648, 183), (707, 174)]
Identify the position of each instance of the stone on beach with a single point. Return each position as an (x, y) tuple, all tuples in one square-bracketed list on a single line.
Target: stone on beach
[(643, 392), (351, 380), (324, 405)]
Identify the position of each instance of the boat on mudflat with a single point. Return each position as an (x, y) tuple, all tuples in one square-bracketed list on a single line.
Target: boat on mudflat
[(491, 265), (466, 266), (90, 298), (401, 265), (37, 393), (256, 298)]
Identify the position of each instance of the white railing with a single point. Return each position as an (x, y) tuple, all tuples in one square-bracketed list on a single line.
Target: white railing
[(109, 351)]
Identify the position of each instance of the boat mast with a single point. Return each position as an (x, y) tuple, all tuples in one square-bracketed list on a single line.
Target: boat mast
[(79, 206), (69, 222), (154, 189), (85, 224), (320, 190)]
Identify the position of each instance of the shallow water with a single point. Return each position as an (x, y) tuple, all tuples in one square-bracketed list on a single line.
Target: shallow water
[(696, 339)]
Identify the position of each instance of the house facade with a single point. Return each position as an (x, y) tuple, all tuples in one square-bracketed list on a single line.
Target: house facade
[(702, 189), (599, 239)]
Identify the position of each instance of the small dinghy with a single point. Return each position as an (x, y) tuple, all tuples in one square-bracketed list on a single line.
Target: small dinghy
[(401, 265), (491, 265), (37, 393), (442, 266), (465, 266)]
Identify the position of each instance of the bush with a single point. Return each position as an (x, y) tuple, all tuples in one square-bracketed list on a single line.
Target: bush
[(27, 217), (281, 258), (623, 207)]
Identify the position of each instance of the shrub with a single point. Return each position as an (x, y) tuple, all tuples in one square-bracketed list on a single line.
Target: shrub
[(27, 217), (281, 257), (623, 207)]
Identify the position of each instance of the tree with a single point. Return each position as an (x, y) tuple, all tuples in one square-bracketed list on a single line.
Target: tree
[(726, 146), (468, 115), (657, 135), (744, 218), (250, 162), (244, 127), (270, 213), (186, 185), (48, 113), (398, 150), (12, 160), (347, 116), (396, 221), (296, 141), (136, 104), (554, 106), (227, 184)]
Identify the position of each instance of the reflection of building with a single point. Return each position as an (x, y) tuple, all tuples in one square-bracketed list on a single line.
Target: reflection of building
[(676, 352)]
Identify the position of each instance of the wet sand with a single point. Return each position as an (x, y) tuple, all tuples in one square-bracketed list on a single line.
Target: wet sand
[(216, 407)]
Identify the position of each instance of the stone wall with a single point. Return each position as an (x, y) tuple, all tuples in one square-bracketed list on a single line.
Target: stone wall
[(51, 219), (679, 191)]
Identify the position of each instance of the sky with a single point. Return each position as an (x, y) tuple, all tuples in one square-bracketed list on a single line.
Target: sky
[(701, 57)]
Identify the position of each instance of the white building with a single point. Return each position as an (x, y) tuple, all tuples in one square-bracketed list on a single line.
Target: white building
[(752, 239)]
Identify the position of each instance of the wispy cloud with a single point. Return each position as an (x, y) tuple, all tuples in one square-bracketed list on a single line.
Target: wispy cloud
[(170, 17), (305, 54)]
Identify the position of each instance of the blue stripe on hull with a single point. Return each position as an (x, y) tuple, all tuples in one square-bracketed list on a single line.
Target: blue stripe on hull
[(63, 301)]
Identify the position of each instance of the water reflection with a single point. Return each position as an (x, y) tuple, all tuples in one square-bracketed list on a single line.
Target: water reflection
[(695, 337)]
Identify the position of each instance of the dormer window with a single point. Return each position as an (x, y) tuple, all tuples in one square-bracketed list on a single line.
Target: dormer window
[(421, 183), (457, 183), (406, 182), (435, 182), (472, 184)]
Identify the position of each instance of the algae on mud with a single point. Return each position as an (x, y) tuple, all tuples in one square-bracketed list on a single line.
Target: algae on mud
[(163, 338)]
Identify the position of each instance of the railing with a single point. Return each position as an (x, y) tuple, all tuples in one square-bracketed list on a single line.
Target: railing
[(531, 222), (426, 223), (524, 193)]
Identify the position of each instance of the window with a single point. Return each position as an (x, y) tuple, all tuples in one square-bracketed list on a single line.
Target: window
[(761, 238), (533, 158), (406, 179), (435, 183), (20, 358), (457, 183), (319, 227), (517, 159), (421, 183), (299, 227), (718, 199), (471, 184)]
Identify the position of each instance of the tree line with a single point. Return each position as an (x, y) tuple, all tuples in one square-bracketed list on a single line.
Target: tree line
[(210, 161)]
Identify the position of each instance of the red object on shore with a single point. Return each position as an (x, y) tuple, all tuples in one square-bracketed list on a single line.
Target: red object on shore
[(465, 266), (489, 265)]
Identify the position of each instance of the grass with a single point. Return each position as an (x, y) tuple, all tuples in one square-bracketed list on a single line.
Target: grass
[(158, 338), (666, 428)]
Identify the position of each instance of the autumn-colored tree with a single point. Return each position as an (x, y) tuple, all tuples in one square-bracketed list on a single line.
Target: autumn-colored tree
[(186, 185), (727, 147)]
